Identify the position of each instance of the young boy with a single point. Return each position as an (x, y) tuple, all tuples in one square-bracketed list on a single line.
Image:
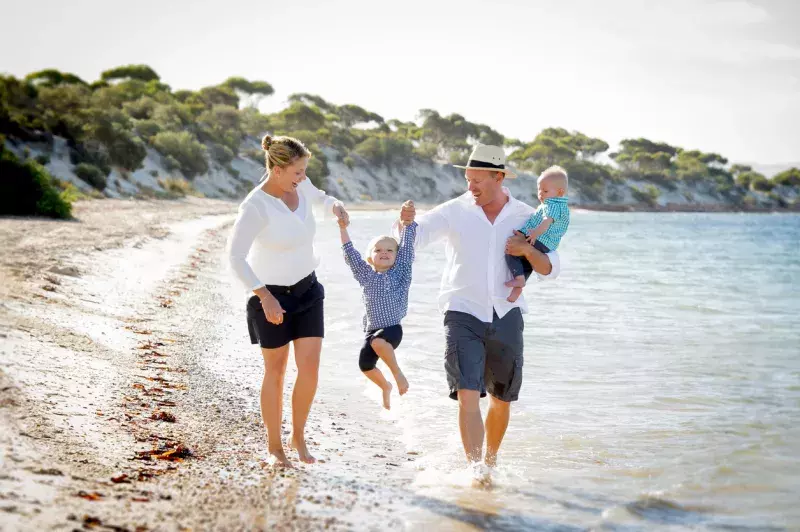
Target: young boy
[(385, 278), (546, 226)]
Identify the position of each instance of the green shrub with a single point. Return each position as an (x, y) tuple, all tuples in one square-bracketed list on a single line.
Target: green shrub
[(177, 187), (762, 184), (147, 128), (458, 157), (384, 149), (427, 150), (127, 151), (92, 175), (788, 178), (43, 159), (139, 72), (185, 152), (349, 162), (171, 163), (370, 149), (614, 195), (231, 170), (778, 200), (220, 153), (26, 188), (648, 196), (342, 140), (92, 152), (256, 155), (140, 109), (306, 137), (317, 170)]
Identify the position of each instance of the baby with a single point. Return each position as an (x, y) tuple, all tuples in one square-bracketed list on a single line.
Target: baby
[(546, 226), (385, 278)]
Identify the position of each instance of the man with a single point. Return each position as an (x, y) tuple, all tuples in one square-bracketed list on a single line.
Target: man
[(483, 331)]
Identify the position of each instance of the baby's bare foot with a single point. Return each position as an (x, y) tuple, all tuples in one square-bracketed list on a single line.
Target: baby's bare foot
[(514, 295), (516, 282), (387, 396), (299, 444)]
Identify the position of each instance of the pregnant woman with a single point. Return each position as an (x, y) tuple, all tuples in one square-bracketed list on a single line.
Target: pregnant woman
[(271, 251)]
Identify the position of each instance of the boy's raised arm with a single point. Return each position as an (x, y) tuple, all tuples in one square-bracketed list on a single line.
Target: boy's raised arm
[(359, 267), (405, 255)]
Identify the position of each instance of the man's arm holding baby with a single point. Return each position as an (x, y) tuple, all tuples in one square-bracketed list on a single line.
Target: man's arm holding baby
[(546, 265)]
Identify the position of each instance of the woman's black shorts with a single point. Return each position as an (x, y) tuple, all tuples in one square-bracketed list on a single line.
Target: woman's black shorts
[(303, 318)]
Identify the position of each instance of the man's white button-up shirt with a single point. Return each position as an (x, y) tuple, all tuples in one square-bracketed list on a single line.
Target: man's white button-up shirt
[(475, 272)]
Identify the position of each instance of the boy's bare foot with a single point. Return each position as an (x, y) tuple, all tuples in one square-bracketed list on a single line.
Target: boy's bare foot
[(514, 295), (278, 459), (518, 281), (299, 444), (402, 383), (387, 396)]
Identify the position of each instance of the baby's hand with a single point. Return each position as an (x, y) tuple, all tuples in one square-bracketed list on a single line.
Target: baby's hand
[(530, 239)]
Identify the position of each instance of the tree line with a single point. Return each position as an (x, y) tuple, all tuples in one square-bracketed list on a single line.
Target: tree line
[(110, 123)]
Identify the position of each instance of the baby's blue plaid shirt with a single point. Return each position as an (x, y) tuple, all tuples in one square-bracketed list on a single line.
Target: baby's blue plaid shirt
[(555, 208), (385, 294)]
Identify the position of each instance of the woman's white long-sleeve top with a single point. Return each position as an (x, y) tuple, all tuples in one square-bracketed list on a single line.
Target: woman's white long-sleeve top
[(269, 243)]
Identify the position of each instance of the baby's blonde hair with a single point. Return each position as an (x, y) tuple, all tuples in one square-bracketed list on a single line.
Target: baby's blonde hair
[(374, 242), (557, 172)]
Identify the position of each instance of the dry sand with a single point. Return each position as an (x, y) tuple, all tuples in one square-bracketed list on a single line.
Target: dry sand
[(108, 420)]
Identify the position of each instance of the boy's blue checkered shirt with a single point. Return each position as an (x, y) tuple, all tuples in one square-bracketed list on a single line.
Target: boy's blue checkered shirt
[(555, 208), (385, 295)]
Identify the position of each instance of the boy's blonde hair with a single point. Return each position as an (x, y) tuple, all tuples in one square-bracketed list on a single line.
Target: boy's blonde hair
[(374, 242), (555, 171)]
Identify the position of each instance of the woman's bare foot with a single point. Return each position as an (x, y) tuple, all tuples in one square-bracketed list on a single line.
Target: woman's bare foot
[(387, 396), (490, 460), (299, 444), (402, 383), (514, 295), (278, 459)]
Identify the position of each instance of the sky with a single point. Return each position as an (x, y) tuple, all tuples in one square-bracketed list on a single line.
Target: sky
[(719, 76)]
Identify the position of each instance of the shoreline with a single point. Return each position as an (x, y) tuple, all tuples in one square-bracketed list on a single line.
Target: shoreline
[(595, 207), (110, 413)]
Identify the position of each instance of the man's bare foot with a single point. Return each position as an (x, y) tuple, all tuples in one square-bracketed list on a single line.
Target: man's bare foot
[(481, 475), (516, 282), (402, 383), (278, 459), (387, 396), (299, 444), (514, 295)]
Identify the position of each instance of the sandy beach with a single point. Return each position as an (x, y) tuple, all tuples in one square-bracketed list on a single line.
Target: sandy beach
[(107, 421), (129, 391)]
